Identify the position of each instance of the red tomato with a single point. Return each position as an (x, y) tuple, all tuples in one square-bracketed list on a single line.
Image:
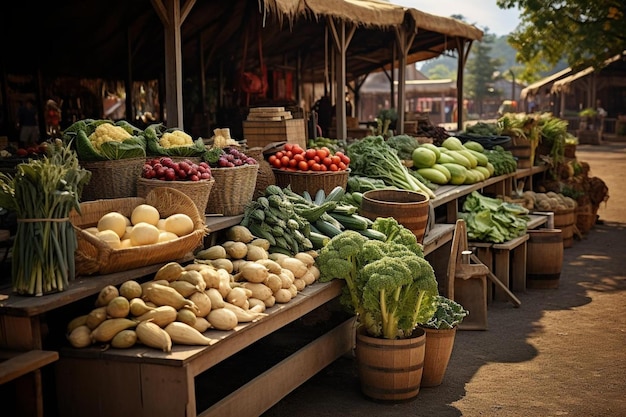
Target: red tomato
[(322, 153), (335, 159), (344, 158), (316, 167), (303, 166), (323, 167), (284, 160), (310, 153), (279, 154), (297, 149), (333, 167), (342, 166), (272, 159), (277, 163), (327, 161), (299, 157), (288, 146), (289, 154), (311, 162), (293, 163)]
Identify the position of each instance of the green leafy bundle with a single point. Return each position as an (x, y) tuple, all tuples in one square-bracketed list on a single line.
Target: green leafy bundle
[(42, 193)]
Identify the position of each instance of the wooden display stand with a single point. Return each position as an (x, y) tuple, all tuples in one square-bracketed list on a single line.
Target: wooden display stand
[(467, 282)]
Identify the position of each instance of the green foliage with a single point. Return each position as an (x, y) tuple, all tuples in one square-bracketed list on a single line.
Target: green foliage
[(77, 135), (493, 220), (404, 145), (372, 157), (573, 29), (480, 69), (389, 285), (448, 315), (155, 131)]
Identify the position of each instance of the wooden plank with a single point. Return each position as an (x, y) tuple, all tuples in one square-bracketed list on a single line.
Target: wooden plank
[(17, 364), (516, 302), (260, 394), (266, 109)]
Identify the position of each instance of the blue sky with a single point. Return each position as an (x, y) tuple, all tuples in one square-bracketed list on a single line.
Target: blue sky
[(480, 13)]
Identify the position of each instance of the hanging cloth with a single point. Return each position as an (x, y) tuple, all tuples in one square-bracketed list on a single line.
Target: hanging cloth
[(253, 82)]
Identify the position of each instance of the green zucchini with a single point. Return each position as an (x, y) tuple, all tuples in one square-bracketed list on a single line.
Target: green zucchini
[(336, 194), (373, 234), (326, 228), (318, 240), (353, 222), (320, 196)]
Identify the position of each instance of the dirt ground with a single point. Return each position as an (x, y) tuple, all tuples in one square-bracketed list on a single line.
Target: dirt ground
[(561, 353)]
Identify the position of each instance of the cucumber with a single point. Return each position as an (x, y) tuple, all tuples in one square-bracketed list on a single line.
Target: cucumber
[(336, 194), (353, 222), (373, 234), (326, 228), (318, 240)]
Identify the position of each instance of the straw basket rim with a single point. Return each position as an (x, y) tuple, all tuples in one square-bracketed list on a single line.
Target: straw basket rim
[(311, 181), (198, 191), (93, 256)]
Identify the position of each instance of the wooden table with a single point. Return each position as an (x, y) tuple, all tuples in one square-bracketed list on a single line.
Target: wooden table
[(160, 384)]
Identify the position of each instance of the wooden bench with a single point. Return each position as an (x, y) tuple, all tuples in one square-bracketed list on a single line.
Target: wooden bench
[(23, 371)]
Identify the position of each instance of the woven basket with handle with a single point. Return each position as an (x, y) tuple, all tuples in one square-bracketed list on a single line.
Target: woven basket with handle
[(198, 191), (94, 256)]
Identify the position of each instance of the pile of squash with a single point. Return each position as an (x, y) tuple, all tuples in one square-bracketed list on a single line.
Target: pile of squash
[(226, 285)]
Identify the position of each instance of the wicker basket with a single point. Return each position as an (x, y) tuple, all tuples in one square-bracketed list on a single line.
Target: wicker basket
[(93, 256), (311, 181), (265, 176), (197, 191), (233, 189), (112, 179)]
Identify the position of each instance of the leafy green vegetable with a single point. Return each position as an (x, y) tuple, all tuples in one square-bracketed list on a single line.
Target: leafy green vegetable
[(77, 135), (404, 145), (372, 157), (448, 315), (389, 285), (493, 220), (154, 132)]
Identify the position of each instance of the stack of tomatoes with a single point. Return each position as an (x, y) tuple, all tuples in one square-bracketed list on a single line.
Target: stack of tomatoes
[(293, 158)]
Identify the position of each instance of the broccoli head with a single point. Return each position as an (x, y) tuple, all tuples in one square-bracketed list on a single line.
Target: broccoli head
[(397, 233)]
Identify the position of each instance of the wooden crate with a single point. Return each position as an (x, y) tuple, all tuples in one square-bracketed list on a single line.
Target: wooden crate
[(260, 133)]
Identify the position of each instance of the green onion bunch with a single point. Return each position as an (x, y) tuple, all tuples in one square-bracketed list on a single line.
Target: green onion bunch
[(42, 193)]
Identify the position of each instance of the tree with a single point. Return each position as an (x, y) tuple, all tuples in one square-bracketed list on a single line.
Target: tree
[(581, 31), (480, 70), (441, 72)]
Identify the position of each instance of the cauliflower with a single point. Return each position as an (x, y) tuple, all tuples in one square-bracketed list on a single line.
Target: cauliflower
[(107, 132), (175, 138)]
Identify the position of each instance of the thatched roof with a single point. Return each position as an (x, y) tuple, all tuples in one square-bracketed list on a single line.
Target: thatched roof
[(120, 38)]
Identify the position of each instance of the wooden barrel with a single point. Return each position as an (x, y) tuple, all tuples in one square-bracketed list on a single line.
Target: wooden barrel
[(439, 345), (544, 258), (523, 155), (565, 220), (390, 369), (409, 208)]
